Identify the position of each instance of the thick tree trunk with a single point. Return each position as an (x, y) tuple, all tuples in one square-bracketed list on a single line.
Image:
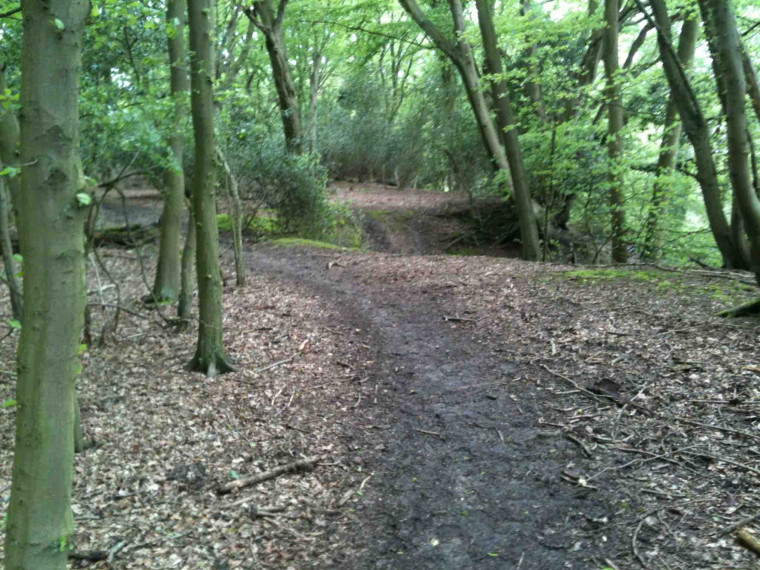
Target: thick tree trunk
[(167, 284), (210, 357), (531, 246), (720, 13), (262, 14), (40, 521), (696, 128), (187, 281), (668, 148), (614, 138), (9, 263)]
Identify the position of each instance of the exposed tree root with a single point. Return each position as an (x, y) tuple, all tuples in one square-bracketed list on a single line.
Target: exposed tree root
[(219, 363), (745, 310)]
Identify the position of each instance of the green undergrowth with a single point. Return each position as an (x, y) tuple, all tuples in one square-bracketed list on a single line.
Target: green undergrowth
[(341, 231), (724, 291)]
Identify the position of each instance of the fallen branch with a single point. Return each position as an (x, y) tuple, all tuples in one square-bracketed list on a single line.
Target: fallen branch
[(296, 466), (748, 541), (574, 384), (276, 364), (426, 432)]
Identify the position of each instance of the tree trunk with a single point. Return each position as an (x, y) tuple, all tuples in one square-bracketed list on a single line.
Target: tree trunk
[(167, 285), (696, 128), (315, 79), (40, 521), (187, 281), (508, 132), (263, 15), (209, 354), (668, 148), (237, 219), (9, 144), (720, 12), (614, 138), (9, 263)]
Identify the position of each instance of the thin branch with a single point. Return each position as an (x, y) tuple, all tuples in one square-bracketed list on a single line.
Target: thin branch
[(10, 13)]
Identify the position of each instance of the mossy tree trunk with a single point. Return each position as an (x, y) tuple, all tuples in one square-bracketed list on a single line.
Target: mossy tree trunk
[(697, 130), (460, 54), (668, 149), (210, 357), (167, 284), (40, 521), (269, 22), (614, 128), (531, 246), (727, 44)]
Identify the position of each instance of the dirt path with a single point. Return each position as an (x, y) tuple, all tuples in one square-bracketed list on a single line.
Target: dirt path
[(461, 475)]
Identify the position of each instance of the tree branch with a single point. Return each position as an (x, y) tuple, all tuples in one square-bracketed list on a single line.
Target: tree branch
[(439, 39)]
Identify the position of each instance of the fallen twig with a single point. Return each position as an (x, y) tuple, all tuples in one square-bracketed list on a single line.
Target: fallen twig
[(582, 445), (302, 465), (276, 364), (737, 525), (574, 384), (426, 432)]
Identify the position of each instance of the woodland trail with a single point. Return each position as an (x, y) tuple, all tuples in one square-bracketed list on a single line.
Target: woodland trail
[(464, 478)]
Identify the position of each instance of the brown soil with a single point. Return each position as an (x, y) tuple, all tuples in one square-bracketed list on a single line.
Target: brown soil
[(468, 412)]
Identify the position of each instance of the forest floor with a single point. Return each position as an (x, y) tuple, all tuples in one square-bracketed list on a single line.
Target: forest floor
[(465, 412)]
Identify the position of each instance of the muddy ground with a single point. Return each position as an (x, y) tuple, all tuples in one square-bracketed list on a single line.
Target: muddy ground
[(466, 412)]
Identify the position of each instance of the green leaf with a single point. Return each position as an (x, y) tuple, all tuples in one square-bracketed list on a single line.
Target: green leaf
[(18, 258), (8, 403), (234, 475), (84, 199), (14, 324), (493, 554), (10, 172), (60, 26), (82, 349)]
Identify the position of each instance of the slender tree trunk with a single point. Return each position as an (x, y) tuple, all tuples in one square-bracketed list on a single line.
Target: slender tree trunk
[(9, 263), (210, 357), (668, 148), (40, 521), (187, 281), (508, 132), (720, 13), (237, 219), (269, 22), (167, 284), (614, 138), (315, 79), (9, 144)]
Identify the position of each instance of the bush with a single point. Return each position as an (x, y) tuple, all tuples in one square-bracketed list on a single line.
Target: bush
[(293, 186)]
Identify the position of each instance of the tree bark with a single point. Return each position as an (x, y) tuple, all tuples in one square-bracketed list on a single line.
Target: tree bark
[(40, 521), (696, 128), (531, 246), (187, 281), (720, 13), (668, 148), (263, 15), (210, 357), (167, 284), (614, 138)]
